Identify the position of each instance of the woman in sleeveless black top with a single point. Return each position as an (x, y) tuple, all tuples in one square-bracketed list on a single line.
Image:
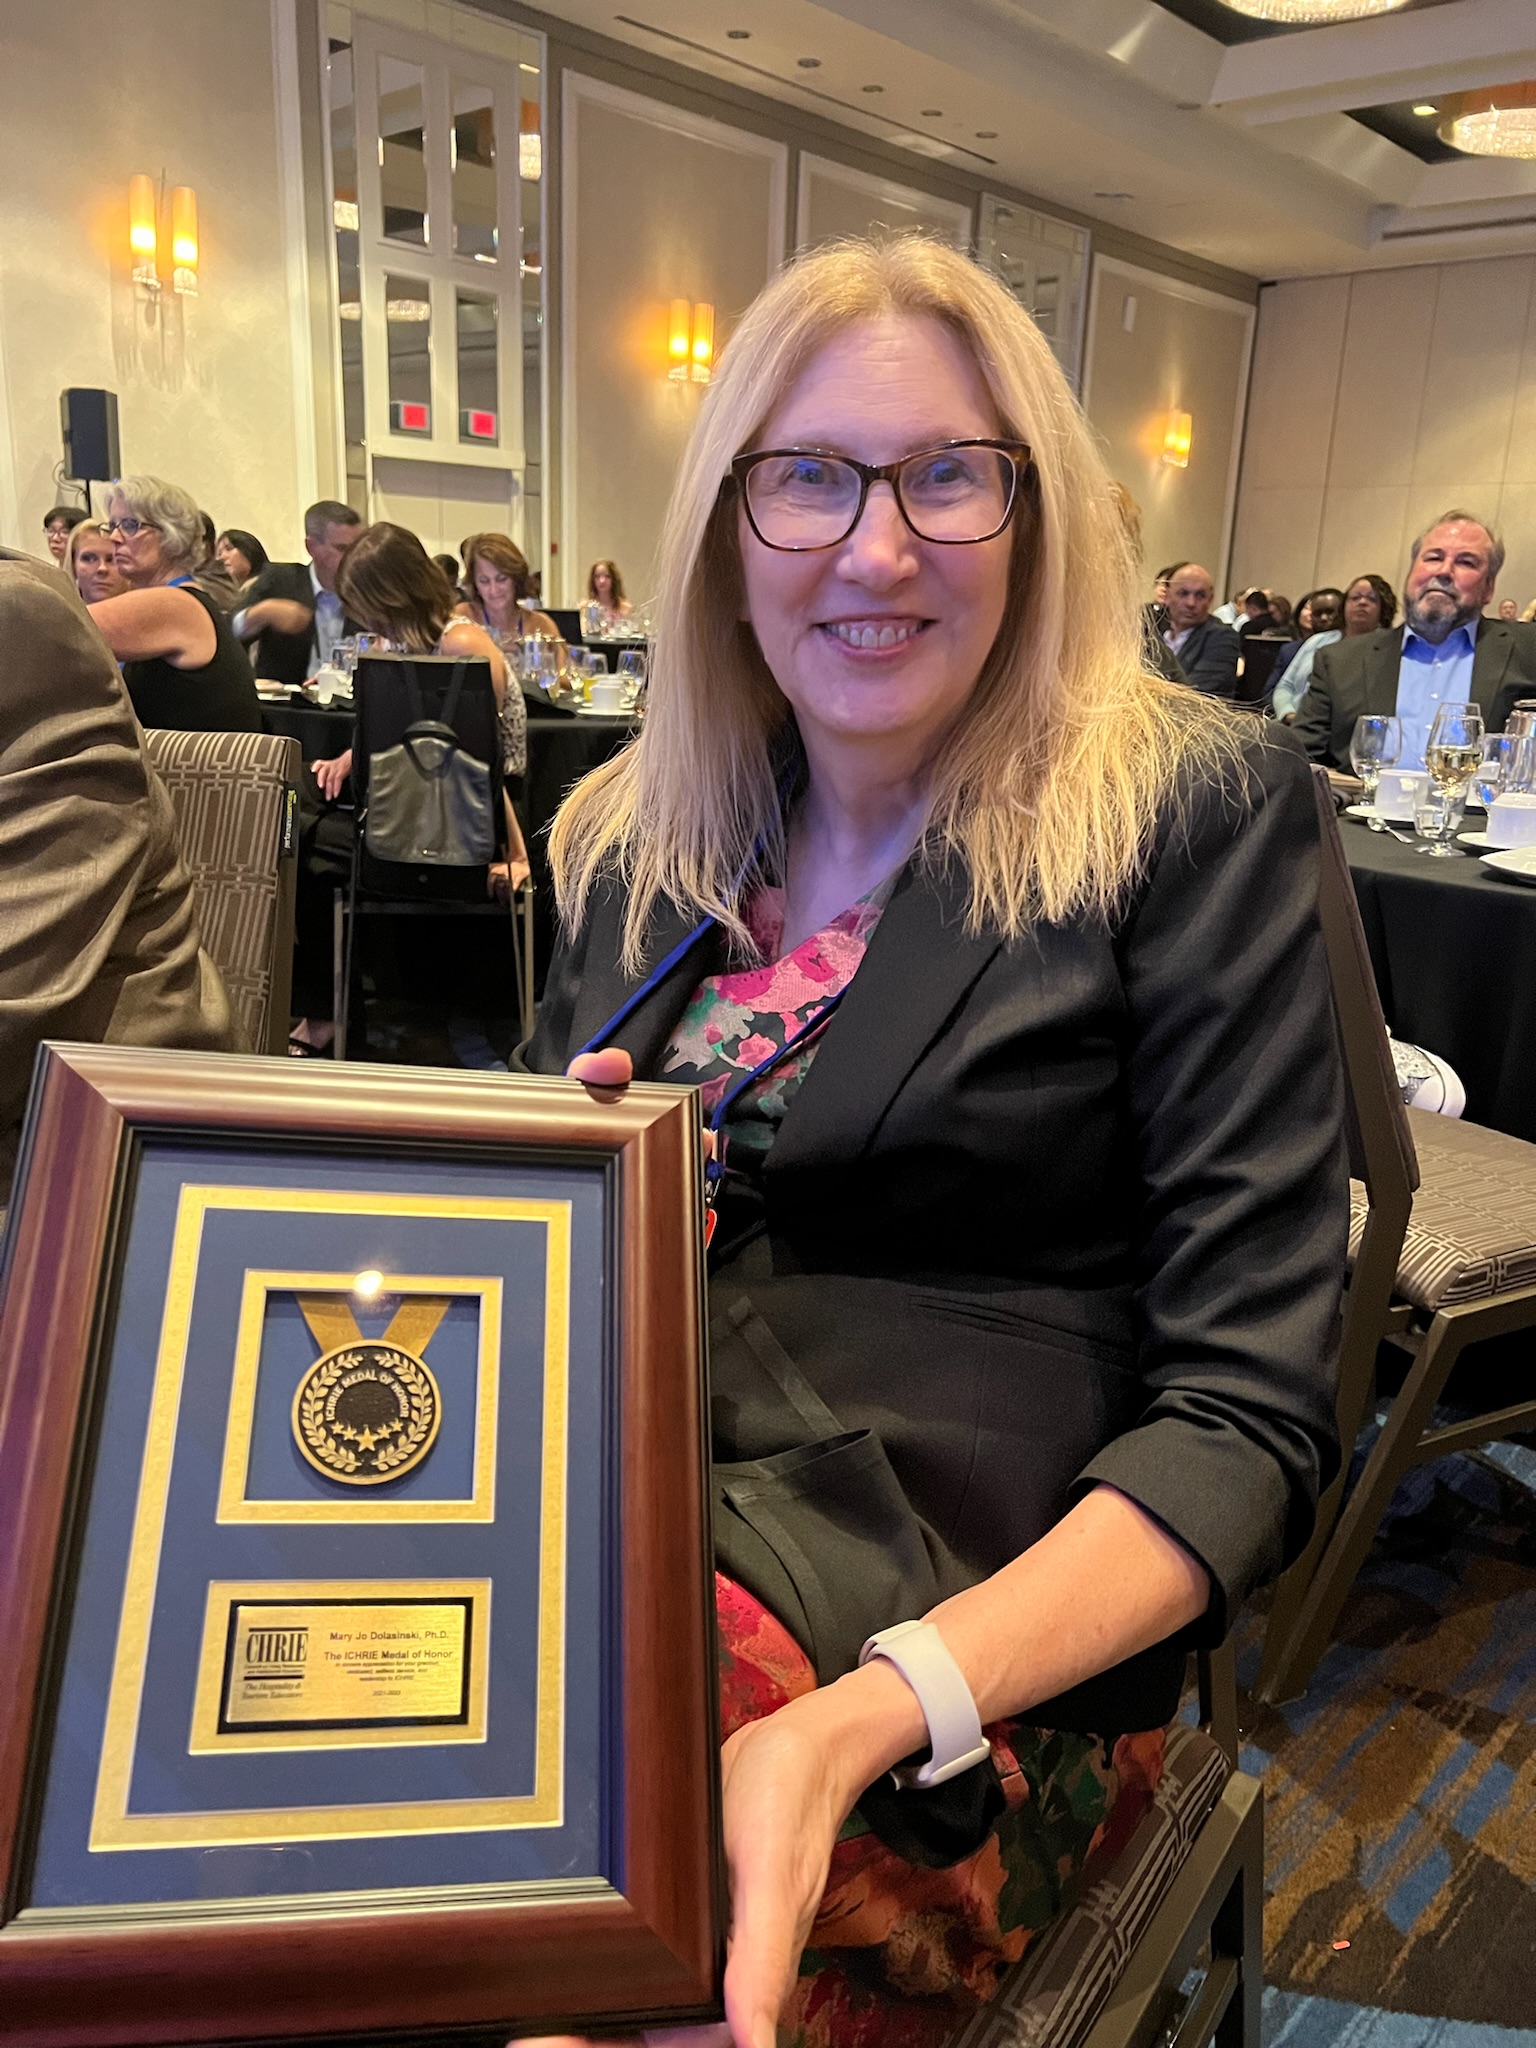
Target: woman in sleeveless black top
[(183, 667)]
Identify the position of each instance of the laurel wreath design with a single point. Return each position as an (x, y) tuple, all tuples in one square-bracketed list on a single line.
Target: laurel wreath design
[(332, 1445)]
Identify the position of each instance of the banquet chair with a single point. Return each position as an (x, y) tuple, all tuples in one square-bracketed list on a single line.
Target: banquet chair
[(1185, 1893), (391, 691), (1443, 1254), (235, 799)]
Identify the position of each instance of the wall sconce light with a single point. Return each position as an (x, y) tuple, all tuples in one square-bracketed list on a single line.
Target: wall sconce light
[(702, 366), (144, 209), (690, 341), (184, 240), (1176, 439), (142, 238)]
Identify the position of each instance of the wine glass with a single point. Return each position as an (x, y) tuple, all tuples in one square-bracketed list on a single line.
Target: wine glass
[(1376, 744), (631, 669), (1453, 757)]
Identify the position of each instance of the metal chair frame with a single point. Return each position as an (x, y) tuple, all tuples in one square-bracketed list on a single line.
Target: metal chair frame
[(1311, 1595)]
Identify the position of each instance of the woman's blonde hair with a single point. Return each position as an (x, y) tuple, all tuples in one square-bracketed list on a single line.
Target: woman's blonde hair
[(1046, 791)]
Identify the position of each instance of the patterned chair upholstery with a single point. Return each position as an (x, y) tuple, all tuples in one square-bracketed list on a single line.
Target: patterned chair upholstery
[(1473, 1228), (1057, 1994), (235, 797)]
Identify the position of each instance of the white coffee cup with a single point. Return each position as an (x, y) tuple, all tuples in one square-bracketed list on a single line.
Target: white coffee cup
[(1398, 793), (606, 693), (1512, 820)]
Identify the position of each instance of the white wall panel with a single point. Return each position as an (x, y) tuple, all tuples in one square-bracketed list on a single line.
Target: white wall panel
[(1433, 380)]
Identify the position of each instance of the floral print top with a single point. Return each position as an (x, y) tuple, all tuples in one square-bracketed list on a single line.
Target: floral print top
[(736, 1020)]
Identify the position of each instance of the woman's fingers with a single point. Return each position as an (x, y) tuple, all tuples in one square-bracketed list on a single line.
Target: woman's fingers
[(610, 1067)]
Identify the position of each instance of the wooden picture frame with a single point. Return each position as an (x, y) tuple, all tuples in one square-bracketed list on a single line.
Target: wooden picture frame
[(497, 1959)]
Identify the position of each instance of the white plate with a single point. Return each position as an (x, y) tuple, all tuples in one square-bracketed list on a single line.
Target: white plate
[(1518, 862), (1362, 811), (1479, 839)]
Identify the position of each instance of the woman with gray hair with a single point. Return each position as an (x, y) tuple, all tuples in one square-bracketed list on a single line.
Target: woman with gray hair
[(184, 669)]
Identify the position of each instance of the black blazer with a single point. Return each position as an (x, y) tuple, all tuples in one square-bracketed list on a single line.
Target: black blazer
[(1209, 658), (1040, 1215), (286, 657), (1356, 677)]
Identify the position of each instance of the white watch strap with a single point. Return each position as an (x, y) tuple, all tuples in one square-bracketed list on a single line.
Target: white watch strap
[(922, 1657)]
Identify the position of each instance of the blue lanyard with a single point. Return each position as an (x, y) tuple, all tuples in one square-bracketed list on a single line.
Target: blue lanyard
[(653, 980), (178, 582)]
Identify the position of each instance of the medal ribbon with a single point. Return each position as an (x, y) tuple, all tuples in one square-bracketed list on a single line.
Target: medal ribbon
[(412, 1327)]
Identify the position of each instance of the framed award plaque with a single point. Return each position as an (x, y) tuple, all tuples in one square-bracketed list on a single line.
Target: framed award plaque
[(355, 1591)]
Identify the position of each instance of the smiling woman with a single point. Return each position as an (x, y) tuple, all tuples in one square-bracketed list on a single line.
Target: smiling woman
[(976, 940)]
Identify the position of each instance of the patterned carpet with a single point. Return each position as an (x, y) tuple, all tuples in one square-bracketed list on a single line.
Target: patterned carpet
[(1291, 2021), (1400, 1793)]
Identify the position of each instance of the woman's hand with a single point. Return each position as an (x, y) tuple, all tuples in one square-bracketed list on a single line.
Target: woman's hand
[(332, 775), (505, 877)]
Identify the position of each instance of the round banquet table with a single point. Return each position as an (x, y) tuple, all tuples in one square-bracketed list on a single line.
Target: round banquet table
[(1454, 951)]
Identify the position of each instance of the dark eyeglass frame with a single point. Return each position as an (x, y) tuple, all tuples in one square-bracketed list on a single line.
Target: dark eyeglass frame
[(883, 473), (113, 527)]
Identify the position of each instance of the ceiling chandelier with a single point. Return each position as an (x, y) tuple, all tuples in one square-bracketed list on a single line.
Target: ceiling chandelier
[(1496, 120), (1310, 13)]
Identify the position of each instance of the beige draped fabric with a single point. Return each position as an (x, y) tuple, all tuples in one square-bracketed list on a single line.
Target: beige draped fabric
[(97, 936)]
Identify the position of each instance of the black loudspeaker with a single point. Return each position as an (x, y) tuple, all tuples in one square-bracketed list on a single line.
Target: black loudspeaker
[(89, 421)]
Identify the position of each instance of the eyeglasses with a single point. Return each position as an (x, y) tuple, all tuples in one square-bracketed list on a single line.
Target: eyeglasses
[(799, 499), (130, 529)]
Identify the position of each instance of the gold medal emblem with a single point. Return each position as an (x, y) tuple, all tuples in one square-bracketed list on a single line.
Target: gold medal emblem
[(366, 1412)]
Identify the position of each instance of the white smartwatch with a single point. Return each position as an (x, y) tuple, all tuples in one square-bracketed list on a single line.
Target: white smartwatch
[(922, 1657)]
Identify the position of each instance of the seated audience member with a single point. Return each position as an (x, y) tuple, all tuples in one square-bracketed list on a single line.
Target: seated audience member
[(1326, 610), (184, 668), (1207, 650), (1155, 651), (1369, 604), (500, 590), (59, 522), (1256, 616), (211, 574), (241, 553), (450, 568), (92, 562), (1509, 610), (1280, 614), (1445, 651), (984, 1270), (292, 611), (391, 586), (98, 940), (605, 586), (1303, 625)]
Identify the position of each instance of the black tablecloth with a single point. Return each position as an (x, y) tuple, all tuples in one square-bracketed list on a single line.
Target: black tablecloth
[(1454, 950)]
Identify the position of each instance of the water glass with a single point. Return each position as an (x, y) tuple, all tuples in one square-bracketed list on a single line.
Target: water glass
[(1502, 756), (1437, 819), (1376, 744), (1521, 723)]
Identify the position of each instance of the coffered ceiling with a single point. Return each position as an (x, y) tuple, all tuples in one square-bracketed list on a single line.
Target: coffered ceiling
[(1273, 152)]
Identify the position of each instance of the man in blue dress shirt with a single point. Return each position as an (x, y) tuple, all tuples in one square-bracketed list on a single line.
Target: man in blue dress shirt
[(1444, 652)]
